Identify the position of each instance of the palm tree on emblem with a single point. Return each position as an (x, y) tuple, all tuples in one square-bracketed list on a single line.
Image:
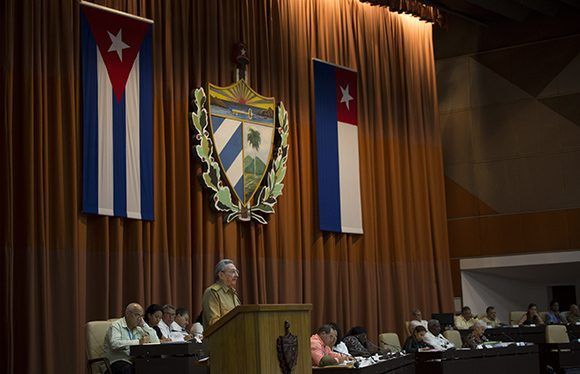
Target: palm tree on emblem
[(254, 138)]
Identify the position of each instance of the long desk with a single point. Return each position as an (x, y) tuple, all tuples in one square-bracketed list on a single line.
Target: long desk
[(510, 359), (397, 365), (560, 356), (530, 334), (169, 358)]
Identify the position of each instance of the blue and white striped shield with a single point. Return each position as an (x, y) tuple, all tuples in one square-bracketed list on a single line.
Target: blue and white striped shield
[(242, 126)]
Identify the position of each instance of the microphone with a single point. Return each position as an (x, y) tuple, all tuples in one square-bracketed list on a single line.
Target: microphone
[(381, 350), (397, 350), (507, 336)]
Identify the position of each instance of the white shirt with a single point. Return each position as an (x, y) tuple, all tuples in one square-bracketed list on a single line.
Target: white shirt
[(165, 330), (119, 338), (438, 342), (177, 333), (341, 348)]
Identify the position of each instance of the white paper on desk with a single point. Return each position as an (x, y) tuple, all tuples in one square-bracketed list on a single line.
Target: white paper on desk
[(368, 361)]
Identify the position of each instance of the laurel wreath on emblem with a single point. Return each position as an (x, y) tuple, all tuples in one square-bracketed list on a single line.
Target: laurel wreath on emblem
[(211, 176)]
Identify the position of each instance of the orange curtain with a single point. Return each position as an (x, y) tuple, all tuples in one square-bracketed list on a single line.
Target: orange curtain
[(61, 268)]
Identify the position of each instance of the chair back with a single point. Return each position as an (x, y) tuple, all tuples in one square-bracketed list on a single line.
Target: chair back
[(95, 333), (454, 337), (557, 334), (389, 341), (515, 316)]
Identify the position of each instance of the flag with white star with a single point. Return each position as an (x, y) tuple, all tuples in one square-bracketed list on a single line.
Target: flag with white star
[(117, 80), (339, 199)]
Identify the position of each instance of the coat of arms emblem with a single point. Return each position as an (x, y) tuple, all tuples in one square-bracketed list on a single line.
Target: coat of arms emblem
[(243, 150), (287, 347)]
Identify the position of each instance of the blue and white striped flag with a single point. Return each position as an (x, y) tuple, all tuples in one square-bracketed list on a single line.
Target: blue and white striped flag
[(117, 72)]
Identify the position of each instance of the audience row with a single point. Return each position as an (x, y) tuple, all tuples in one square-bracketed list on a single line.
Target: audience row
[(532, 317)]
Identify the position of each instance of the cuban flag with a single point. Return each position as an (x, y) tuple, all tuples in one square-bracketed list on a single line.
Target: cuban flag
[(339, 202), (117, 79)]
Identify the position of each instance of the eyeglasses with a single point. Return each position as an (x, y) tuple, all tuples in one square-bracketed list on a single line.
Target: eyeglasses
[(232, 271)]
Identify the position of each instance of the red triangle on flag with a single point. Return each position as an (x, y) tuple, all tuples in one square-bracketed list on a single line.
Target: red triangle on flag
[(119, 40)]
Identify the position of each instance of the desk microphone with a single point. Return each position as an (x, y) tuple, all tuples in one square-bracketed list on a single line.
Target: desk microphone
[(380, 350), (397, 350), (507, 336)]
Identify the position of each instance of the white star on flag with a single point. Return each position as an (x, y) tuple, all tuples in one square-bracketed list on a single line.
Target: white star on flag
[(346, 98), (117, 44)]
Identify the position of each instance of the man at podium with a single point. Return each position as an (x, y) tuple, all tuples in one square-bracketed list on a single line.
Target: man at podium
[(221, 297)]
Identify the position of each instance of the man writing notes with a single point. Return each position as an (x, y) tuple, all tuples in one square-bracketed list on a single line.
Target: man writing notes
[(321, 347), (123, 333), (221, 297)]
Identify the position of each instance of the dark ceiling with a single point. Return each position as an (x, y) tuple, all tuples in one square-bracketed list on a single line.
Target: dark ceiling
[(490, 12), (473, 26)]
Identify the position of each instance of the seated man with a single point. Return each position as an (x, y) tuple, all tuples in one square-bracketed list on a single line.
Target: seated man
[(123, 333), (574, 314), (434, 338), (490, 318), (197, 332), (167, 319), (476, 336), (553, 316), (416, 320), (221, 297), (197, 328), (321, 347), (179, 326), (465, 320)]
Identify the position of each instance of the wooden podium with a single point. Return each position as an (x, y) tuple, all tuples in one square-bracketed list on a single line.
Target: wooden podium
[(245, 339)]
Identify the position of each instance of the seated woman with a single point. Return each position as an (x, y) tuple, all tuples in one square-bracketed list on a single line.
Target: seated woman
[(531, 317), (152, 316), (475, 337), (358, 344), (415, 341)]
